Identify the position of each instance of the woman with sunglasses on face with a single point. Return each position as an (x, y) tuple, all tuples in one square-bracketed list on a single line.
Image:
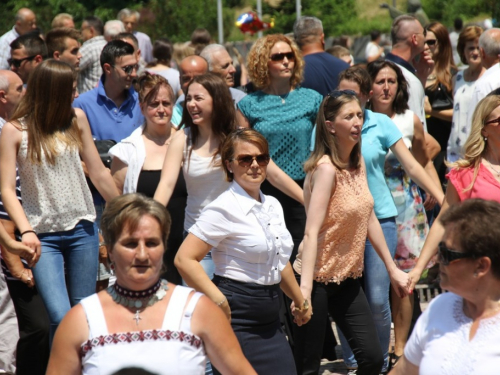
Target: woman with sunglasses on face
[(284, 113), (251, 249), (48, 139), (379, 135), (331, 258), (477, 175), (438, 91), (208, 117), (463, 87), (459, 331)]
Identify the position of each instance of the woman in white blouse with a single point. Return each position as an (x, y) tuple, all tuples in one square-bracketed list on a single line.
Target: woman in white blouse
[(251, 249)]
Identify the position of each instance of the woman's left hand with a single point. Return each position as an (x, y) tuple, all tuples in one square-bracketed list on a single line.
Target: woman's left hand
[(301, 317), (30, 253), (401, 282)]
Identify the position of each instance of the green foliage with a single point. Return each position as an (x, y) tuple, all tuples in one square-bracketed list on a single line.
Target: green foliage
[(445, 11)]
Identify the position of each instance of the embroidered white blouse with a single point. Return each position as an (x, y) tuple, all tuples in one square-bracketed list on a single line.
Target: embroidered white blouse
[(440, 343), (249, 238)]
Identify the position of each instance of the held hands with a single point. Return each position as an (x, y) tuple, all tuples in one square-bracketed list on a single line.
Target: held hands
[(429, 202), (24, 250), (302, 314), (401, 282), (26, 276), (415, 275)]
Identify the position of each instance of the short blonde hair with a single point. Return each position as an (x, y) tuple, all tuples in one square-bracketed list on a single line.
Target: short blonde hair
[(260, 54)]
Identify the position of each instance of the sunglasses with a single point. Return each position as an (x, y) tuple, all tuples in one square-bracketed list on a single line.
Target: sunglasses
[(290, 56), (446, 255), (431, 42), (491, 122), (338, 93), (246, 161), (16, 63), (128, 69)]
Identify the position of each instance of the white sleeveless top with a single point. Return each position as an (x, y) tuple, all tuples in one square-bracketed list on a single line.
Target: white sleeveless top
[(406, 126), (171, 350), (55, 197), (204, 181)]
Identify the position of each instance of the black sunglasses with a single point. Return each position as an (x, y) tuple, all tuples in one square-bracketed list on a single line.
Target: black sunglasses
[(128, 69), (446, 255), (246, 161), (431, 42), (290, 56), (337, 93), (16, 63), (495, 121)]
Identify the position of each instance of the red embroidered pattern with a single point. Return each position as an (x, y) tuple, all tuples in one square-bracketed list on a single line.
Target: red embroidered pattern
[(151, 335)]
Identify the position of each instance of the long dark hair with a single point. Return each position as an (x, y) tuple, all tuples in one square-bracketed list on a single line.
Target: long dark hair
[(400, 103), (223, 112)]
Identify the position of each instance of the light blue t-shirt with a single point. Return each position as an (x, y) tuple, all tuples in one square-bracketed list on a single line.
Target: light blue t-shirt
[(287, 122), (378, 134)]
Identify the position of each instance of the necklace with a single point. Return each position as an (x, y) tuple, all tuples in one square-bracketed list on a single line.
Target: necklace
[(158, 140), (284, 97), (491, 166), (432, 77), (138, 300)]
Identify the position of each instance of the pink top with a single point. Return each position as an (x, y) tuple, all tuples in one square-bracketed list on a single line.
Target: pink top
[(486, 185), (342, 237)]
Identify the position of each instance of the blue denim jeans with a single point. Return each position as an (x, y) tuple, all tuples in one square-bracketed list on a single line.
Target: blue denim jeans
[(67, 269), (377, 284)]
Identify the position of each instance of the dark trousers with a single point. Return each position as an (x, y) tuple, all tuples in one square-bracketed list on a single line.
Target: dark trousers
[(255, 321), (33, 346), (347, 305)]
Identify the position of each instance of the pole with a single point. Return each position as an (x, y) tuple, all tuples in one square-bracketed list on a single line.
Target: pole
[(259, 13), (219, 22), (298, 8)]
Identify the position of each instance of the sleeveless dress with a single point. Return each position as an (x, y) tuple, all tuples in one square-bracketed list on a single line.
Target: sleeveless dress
[(171, 350), (411, 220)]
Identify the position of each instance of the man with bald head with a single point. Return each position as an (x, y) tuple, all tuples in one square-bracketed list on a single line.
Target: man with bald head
[(408, 51), (489, 48), (25, 22), (189, 68)]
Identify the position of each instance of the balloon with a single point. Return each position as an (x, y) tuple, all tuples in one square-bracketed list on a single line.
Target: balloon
[(249, 23)]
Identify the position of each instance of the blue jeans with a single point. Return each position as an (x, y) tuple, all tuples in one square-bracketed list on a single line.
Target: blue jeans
[(67, 269), (377, 284)]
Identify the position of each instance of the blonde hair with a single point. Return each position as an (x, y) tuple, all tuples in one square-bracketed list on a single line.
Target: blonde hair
[(476, 146), (260, 54), (48, 120), (328, 144)]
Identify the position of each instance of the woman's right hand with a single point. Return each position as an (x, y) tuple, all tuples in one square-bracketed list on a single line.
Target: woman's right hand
[(33, 243), (415, 274), (401, 282)]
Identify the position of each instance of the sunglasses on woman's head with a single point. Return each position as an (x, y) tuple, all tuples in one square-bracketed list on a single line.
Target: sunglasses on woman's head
[(337, 93), (281, 56), (246, 161), (447, 255)]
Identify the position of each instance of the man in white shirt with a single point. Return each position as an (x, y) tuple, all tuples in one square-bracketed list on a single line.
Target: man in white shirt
[(219, 62), (489, 48), (25, 22), (408, 45), (130, 18)]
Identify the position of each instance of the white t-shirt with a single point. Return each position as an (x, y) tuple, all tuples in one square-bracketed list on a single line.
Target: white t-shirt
[(416, 95), (488, 82), (440, 345), (372, 49), (249, 238)]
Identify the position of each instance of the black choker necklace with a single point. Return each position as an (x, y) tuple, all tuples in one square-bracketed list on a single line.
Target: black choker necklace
[(138, 299)]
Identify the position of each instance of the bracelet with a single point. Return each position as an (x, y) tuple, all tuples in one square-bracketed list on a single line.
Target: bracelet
[(221, 302), (305, 306), (28, 231)]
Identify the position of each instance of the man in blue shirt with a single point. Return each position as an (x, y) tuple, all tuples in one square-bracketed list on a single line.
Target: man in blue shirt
[(112, 108), (321, 71)]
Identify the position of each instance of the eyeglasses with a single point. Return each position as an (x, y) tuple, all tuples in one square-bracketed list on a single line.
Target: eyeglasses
[(495, 122), (246, 161), (128, 69), (431, 42), (337, 93), (446, 255), (279, 57), (16, 63)]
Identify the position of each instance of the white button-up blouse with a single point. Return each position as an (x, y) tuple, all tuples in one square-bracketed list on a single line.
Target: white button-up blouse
[(249, 238)]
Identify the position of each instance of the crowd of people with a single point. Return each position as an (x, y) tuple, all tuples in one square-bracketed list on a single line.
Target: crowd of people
[(183, 211)]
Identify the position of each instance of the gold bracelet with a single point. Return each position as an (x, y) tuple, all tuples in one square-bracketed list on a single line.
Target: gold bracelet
[(305, 306), (221, 302)]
